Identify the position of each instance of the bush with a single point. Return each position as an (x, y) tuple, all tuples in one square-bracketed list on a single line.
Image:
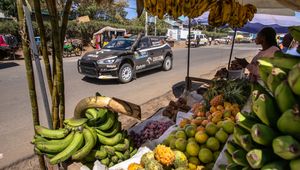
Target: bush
[(9, 27)]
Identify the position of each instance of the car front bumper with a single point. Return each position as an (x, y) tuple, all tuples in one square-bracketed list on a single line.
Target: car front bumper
[(93, 70)]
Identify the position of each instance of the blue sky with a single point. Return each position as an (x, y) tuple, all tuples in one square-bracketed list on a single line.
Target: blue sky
[(131, 12)]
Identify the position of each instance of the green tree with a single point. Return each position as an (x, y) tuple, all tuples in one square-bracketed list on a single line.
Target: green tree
[(8, 7), (114, 12)]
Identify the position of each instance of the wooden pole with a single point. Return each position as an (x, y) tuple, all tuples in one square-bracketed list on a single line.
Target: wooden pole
[(39, 20)]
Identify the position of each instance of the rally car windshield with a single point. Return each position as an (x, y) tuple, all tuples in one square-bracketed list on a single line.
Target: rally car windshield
[(119, 45)]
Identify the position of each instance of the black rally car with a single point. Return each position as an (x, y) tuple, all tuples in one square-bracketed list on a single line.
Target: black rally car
[(123, 58)]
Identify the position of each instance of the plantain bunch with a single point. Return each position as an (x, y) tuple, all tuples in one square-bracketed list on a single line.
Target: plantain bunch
[(96, 133), (177, 8), (230, 12)]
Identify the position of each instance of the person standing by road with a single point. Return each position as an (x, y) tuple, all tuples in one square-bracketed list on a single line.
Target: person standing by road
[(267, 39), (209, 40)]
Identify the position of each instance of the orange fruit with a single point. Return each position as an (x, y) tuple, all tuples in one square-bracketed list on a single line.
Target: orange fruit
[(201, 137), (204, 122), (200, 128)]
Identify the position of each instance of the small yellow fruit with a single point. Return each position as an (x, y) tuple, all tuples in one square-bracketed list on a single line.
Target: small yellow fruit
[(227, 104), (212, 109), (220, 108), (201, 137), (192, 166), (235, 105)]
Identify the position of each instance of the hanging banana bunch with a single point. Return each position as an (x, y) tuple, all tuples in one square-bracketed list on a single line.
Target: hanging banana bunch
[(177, 8), (230, 12)]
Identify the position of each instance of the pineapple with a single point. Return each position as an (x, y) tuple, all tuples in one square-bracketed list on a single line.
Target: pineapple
[(217, 100)]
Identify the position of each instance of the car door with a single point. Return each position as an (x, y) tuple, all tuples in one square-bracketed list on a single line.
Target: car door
[(142, 56), (158, 50)]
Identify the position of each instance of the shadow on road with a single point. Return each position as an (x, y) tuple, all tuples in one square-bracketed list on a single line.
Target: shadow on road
[(146, 73), (115, 81), (100, 82), (8, 65)]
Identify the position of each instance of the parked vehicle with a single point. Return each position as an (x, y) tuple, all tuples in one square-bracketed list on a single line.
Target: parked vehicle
[(122, 58), (8, 45), (197, 40)]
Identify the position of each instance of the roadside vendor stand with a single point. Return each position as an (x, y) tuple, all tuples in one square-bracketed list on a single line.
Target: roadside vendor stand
[(181, 126)]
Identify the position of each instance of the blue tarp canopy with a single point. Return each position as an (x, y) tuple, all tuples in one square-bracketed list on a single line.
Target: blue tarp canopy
[(279, 22)]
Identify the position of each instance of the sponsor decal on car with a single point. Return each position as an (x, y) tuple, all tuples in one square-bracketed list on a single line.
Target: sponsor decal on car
[(158, 58), (139, 55), (138, 67)]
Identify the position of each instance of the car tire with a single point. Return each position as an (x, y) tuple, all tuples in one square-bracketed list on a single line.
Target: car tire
[(168, 63), (125, 73)]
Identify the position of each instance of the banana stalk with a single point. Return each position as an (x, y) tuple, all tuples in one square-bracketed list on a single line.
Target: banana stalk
[(29, 73)]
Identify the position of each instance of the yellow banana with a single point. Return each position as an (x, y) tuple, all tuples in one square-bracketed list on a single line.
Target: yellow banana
[(160, 9), (226, 11), (169, 7)]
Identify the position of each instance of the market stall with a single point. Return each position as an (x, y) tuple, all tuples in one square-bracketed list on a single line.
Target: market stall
[(224, 124)]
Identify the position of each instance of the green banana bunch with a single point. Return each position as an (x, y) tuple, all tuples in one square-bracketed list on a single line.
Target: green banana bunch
[(233, 166), (94, 114), (55, 146), (282, 60), (266, 110), (295, 164), (228, 156), (275, 78), (50, 133), (237, 133), (289, 122), (295, 31), (232, 147), (262, 134), (74, 123), (111, 119), (245, 121), (257, 158), (265, 69), (286, 147), (110, 141), (284, 97), (294, 79), (86, 149), (70, 150), (247, 142), (239, 157), (278, 165), (111, 132), (122, 146), (101, 154)]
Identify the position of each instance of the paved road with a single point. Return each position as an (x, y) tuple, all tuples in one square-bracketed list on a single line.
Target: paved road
[(15, 115)]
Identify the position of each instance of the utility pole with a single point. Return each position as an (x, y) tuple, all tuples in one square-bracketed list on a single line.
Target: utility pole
[(155, 26), (146, 24)]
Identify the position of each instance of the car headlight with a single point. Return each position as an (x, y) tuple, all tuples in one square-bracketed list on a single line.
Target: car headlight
[(107, 60)]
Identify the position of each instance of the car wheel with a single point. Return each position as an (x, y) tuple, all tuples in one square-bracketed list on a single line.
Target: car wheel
[(125, 73), (167, 65)]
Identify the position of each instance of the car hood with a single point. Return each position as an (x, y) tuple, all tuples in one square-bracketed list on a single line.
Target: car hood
[(102, 54)]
